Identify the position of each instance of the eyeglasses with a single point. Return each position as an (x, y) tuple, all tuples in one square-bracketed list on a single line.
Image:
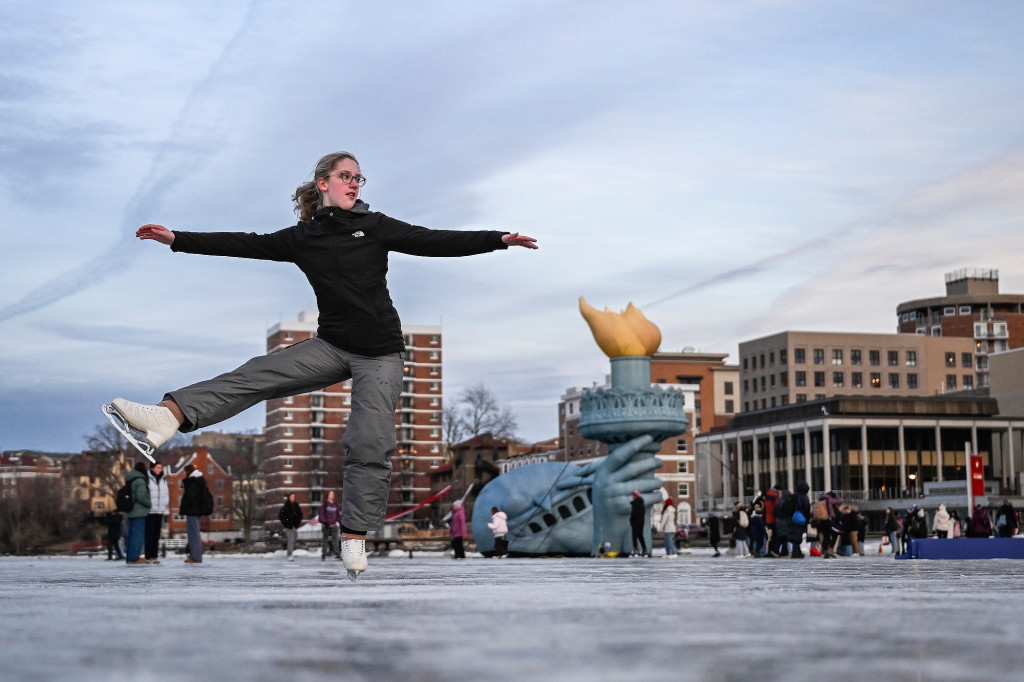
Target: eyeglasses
[(346, 178)]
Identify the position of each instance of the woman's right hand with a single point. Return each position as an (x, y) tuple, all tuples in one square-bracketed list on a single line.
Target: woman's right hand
[(157, 232)]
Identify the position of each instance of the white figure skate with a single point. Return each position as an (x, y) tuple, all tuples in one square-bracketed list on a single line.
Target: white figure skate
[(353, 554), (147, 427)]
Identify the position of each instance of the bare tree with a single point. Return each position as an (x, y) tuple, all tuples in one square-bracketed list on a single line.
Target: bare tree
[(478, 412), (34, 515)]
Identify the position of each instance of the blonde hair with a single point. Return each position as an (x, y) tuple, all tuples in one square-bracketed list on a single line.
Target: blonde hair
[(307, 197)]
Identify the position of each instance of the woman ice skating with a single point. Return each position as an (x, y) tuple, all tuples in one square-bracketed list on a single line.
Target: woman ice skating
[(342, 248)]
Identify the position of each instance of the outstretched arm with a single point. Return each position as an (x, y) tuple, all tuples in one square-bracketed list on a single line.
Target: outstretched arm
[(516, 239), (156, 232)]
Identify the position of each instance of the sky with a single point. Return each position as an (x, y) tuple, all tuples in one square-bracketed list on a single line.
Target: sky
[(733, 169)]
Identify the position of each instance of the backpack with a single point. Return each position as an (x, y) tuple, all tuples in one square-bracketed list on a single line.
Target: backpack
[(819, 510), (207, 499), (786, 505), (744, 519), (124, 500)]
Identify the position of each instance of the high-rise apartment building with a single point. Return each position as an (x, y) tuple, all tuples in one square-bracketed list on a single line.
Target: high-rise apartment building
[(972, 308), (794, 367), (303, 433)]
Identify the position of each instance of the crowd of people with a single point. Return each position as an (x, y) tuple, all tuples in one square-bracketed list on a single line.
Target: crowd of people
[(775, 523)]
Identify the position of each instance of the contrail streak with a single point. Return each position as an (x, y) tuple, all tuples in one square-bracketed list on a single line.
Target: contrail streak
[(164, 172)]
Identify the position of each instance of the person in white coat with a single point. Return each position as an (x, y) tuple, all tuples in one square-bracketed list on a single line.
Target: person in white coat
[(667, 525), (499, 527), (940, 524), (161, 500)]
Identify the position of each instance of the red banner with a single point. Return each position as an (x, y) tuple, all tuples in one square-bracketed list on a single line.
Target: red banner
[(977, 476)]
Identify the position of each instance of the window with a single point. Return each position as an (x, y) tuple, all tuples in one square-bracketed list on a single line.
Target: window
[(950, 359), (819, 356), (801, 397), (288, 479), (728, 388), (801, 378), (911, 358), (855, 356), (762, 384), (762, 360), (968, 381), (729, 407), (783, 356), (874, 358), (913, 314), (784, 379), (799, 356), (838, 379), (771, 358), (936, 331), (289, 400), (949, 310), (288, 447), (966, 359), (746, 386), (965, 310), (876, 380), (837, 356), (894, 380), (681, 447), (857, 379), (288, 336), (819, 378), (684, 467), (785, 400), (773, 401), (745, 364), (904, 317), (912, 381), (771, 380), (288, 461), (288, 414), (434, 339), (950, 382), (684, 490), (893, 357)]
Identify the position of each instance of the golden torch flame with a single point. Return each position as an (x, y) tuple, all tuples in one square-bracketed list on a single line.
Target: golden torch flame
[(621, 334)]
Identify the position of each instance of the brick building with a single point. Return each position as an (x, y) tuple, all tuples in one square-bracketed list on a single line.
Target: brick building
[(218, 480), (972, 308), (303, 452), (17, 467)]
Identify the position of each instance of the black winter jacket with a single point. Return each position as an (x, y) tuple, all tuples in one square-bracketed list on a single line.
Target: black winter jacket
[(344, 255), (290, 515), (192, 499)]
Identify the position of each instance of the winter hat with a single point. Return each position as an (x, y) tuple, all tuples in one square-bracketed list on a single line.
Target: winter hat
[(668, 501), (636, 493), (189, 468)]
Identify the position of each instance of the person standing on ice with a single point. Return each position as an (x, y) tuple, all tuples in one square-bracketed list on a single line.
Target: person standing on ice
[(499, 527), (342, 248), (458, 528)]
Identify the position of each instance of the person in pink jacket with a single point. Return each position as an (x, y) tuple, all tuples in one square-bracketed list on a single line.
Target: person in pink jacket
[(458, 527)]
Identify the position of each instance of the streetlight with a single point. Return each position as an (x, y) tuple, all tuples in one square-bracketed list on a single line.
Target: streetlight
[(913, 480)]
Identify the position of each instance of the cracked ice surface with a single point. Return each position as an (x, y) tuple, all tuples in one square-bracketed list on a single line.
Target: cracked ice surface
[(430, 618)]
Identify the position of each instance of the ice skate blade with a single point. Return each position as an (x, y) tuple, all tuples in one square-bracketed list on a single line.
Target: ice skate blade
[(118, 421), (353, 575)]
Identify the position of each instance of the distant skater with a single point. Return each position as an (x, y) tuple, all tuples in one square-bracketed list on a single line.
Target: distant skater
[(342, 248)]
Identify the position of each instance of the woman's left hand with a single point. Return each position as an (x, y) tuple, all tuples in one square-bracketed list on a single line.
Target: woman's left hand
[(516, 239)]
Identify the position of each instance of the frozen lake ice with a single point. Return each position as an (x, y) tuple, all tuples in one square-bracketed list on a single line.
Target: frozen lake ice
[(431, 618)]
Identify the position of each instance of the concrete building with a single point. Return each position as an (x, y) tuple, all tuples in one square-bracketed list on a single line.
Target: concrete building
[(710, 390), (303, 433), (972, 308), (875, 451), (794, 367), (1007, 382)]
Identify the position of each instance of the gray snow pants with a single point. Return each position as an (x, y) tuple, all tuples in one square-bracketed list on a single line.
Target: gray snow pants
[(369, 439)]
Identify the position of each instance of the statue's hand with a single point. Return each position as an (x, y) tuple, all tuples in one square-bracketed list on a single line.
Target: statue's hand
[(627, 468)]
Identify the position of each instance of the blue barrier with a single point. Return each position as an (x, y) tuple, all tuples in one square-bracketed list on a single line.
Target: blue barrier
[(965, 548)]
